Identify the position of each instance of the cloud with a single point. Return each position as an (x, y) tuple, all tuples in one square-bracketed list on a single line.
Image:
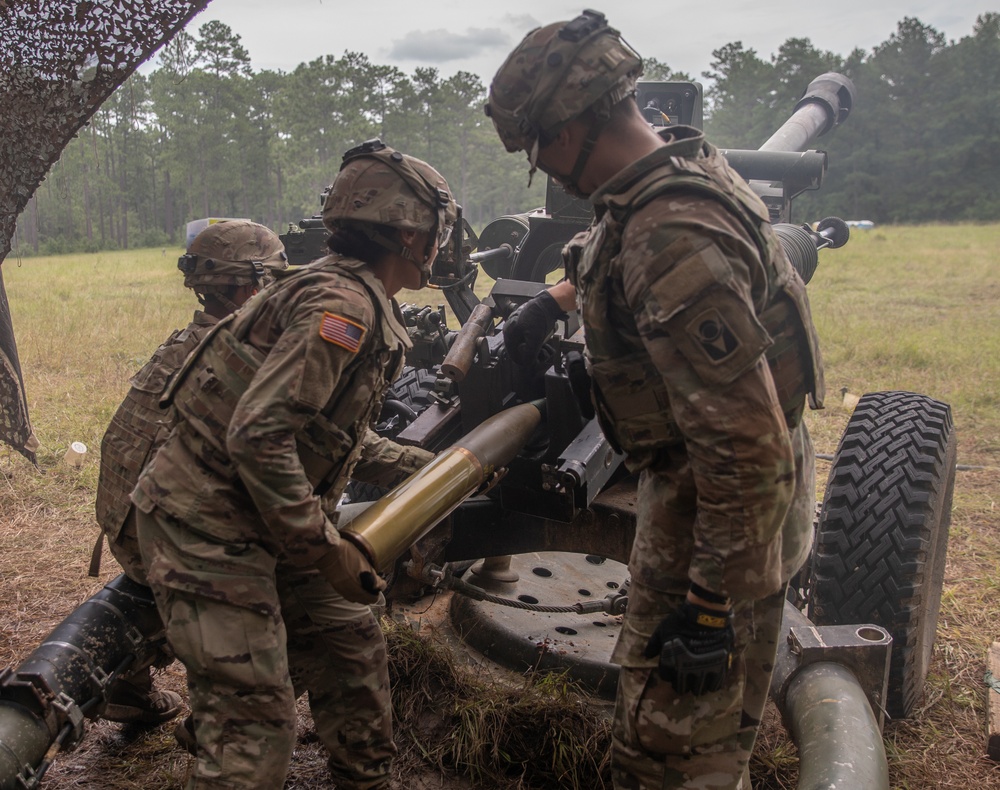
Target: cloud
[(441, 46), (522, 22)]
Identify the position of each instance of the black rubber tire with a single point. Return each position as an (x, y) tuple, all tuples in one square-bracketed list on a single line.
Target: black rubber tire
[(412, 389), (882, 534)]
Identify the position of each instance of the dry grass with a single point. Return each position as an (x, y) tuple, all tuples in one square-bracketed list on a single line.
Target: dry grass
[(906, 308), (498, 729)]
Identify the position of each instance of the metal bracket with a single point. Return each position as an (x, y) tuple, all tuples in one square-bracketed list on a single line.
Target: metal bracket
[(864, 649), (101, 679), (29, 690), (135, 637), (28, 779), (584, 467), (72, 715)]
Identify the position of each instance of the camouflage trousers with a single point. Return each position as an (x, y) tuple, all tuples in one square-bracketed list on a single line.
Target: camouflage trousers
[(661, 739), (125, 549), (254, 634)]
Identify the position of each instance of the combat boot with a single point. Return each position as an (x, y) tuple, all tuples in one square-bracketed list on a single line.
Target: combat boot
[(135, 701), (184, 734)]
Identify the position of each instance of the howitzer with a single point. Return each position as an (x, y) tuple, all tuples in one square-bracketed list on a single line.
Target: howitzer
[(782, 168)]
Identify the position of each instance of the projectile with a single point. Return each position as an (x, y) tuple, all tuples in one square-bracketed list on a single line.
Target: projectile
[(400, 518)]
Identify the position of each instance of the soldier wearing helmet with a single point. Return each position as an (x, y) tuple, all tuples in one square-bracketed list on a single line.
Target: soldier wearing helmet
[(225, 264), (230, 261), (261, 597), (702, 355)]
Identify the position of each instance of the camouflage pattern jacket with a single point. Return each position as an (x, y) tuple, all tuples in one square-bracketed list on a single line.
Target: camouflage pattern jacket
[(701, 347), (140, 425), (274, 410)]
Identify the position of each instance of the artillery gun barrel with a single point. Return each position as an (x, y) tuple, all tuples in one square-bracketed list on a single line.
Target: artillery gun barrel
[(825, 105), (400, 518), (799, 130), (782, 167)]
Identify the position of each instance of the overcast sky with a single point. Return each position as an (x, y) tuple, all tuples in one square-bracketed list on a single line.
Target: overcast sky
[(476, 35)]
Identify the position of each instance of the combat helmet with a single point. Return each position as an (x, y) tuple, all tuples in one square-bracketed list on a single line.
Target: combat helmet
[(230, 254), (378, 186), (554, 75)]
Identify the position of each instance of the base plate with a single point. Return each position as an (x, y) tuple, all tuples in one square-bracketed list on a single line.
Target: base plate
[(521, 639)]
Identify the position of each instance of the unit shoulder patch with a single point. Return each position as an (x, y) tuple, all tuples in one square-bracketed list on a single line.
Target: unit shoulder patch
[(720, 336)]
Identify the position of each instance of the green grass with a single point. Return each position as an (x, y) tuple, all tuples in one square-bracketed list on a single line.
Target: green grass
[(84, 325), (916, 308)]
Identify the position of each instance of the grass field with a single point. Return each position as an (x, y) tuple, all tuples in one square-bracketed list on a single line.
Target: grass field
[(910, 308)]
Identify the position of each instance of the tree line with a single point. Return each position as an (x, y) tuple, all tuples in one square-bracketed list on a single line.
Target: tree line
[(203, 134)]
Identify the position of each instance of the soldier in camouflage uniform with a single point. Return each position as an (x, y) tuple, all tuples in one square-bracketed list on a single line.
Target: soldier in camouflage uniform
[(702, 353), (261, 596), (224, 265)]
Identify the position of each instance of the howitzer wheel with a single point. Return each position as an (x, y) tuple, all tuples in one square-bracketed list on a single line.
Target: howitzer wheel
[(882, 534)]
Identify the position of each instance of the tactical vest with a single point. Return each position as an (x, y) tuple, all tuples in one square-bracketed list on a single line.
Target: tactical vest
[(630, 398), (138, 427), (214, 378)]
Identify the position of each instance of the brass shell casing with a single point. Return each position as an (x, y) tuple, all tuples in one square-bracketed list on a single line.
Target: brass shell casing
[(390, 526), (400, 518)]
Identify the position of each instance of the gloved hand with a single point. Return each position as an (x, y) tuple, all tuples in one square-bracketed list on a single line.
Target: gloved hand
[(528, 327), (695, 646), (350, 573), (420, 456)]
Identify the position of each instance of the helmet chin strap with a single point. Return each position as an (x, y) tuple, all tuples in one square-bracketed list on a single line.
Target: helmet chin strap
[(425, 276), (404, 252), (386, 242), (220, 298), (571, 183)]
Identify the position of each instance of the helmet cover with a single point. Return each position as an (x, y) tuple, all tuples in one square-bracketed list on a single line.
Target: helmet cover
[(554, 75), (234, 252), (377, 185)]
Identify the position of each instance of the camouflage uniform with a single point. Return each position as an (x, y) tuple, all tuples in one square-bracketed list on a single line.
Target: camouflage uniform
[(223, 262), (273, 413), (137, 429), (702, 352)]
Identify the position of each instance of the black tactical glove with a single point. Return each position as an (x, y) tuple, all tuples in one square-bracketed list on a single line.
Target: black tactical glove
[(695, 646), (529, 326)]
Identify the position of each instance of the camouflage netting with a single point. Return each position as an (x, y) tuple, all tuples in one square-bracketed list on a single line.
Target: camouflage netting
[(59, 60)]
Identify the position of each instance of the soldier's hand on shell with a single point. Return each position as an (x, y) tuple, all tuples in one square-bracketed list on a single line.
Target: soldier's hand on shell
[(529, 326), (421, 456), (351, 574), (695, 647)]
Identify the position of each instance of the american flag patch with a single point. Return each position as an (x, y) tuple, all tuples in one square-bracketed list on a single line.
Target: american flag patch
[(337, 329)]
